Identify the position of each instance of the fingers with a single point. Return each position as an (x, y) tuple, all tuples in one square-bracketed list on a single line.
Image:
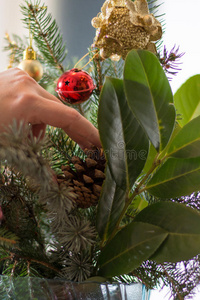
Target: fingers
[(58, 115), (28, 101), (42, 92), (22, 83)]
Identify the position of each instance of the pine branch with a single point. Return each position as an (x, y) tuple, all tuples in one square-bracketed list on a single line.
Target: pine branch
[(15, 45), (172, 283), (61, 148), (16, 263), (19, 216), (45, 32), (8, 239), (154, 6), (181, 278), (21, 150), (49, 78)]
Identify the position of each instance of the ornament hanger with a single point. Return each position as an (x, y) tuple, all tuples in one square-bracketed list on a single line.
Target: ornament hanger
[(30, 64), (30, 35), (97, 52)]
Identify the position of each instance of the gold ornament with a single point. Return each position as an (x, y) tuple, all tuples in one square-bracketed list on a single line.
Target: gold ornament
[(31, 65), (124, 25)]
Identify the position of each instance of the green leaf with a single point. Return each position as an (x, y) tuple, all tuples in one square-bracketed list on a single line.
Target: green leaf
[(149, 96), (129, 248), (153, 154), (123, 139), (183, 226), (176, 177), (186, 143), (139, 203), (111, 203), (187, 100)]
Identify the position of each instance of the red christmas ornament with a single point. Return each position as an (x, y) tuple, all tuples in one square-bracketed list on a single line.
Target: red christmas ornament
[(75, 86)]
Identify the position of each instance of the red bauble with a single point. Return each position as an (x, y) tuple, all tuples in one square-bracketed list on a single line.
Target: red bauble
[(75, 86)]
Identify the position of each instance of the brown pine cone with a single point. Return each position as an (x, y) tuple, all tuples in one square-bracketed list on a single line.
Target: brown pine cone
[(85, 177)]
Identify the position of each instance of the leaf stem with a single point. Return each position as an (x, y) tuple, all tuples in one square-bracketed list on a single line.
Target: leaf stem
[(138, 190)]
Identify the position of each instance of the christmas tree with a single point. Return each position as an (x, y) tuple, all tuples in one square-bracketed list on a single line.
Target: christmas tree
[(128, 212)]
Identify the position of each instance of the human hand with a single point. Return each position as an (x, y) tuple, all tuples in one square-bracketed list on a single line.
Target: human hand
[(22, 98)]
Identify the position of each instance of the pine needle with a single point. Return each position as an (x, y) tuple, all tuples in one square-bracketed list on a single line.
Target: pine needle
[(7, 238), (45, 31)]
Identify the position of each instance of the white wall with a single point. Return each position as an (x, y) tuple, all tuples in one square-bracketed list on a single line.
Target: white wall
[(10, 21), (183, 29), (73, 18)]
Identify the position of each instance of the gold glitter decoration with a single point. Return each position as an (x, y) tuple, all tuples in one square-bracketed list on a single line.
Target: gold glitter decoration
[(123, 25)]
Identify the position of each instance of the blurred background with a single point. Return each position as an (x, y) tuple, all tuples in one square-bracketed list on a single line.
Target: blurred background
[(74, 18), (182, 25)]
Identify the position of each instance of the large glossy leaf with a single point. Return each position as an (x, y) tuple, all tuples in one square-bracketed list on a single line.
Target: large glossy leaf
[(149, 96), (187, 100), (129, 248), (123, 139), (183, 226), (110, 205), (176, 177), (186, 143)]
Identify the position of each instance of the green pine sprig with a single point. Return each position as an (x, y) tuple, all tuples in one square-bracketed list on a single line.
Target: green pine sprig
[(46, 33), (7, 238), (15, 45), (60, 148), (22, 151)]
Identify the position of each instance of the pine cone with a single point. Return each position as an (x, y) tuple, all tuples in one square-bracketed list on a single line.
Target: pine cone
[(85, 177)]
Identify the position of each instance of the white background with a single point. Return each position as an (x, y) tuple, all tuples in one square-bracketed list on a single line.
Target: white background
[(182, 28)]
